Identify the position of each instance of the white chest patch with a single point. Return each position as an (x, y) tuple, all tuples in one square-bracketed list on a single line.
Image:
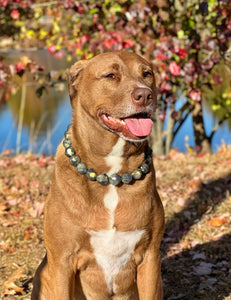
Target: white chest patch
[(113, 160), (112, 250), (111, 200)]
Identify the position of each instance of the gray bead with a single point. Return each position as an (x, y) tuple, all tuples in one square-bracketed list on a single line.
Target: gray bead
[(144, 168), (67, 135), (126, 178), (115, 179), (148, 160), (137, 174), (91, 174), (81, 168), (67, 143), (75, 160), (69, 151), (102, 178)]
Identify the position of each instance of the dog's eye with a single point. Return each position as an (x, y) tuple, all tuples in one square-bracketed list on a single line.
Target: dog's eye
[(147, 73), (111, 75)]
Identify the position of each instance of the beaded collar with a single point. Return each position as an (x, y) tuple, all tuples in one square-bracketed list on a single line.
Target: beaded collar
[(103, 178)]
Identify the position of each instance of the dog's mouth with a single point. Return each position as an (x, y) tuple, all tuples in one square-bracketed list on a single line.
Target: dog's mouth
[(134, 127)]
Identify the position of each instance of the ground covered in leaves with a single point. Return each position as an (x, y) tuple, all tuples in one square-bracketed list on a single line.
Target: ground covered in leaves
[(196, 193)]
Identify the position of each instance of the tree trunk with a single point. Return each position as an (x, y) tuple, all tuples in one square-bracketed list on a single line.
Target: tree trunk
[(202, 143), (157, 136), (170, 126)]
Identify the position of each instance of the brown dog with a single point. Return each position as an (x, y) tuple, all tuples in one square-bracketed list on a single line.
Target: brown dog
[(103, 228)]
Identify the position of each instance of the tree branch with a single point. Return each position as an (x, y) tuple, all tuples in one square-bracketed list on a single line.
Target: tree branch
[(215, 128)]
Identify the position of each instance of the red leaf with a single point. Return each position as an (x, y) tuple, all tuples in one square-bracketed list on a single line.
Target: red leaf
[(195, 95), (51, 49), (182, 53), (85, 38), (128, 44), (15, 14), (161, 56), (174, 68)]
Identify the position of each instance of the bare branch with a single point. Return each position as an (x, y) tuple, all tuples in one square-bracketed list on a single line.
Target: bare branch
[(221, 122)]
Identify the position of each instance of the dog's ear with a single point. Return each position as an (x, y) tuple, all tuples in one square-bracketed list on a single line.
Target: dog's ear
[(74, 75)]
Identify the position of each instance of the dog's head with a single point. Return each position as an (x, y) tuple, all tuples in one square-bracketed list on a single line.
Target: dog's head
[(117, 90)]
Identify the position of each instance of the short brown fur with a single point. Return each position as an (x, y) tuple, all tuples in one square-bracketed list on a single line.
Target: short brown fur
[(74, 205)]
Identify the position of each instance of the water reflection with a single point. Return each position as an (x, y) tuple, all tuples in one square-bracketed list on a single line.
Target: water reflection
[(40, 136), (39, 112), (40, 125), (30, 121)]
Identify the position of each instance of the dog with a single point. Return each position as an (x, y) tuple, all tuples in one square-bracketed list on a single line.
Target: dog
[(103, 218)]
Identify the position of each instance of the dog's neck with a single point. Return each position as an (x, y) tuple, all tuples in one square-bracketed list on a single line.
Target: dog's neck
[(110, 155)]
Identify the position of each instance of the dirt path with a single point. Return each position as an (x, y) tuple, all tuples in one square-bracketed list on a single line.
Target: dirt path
[(196, 193)]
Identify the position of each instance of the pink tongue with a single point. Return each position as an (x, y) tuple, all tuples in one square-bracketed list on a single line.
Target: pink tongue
[(139, 127)]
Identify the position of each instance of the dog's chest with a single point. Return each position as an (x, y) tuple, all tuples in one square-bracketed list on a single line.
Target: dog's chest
[(112, 248)]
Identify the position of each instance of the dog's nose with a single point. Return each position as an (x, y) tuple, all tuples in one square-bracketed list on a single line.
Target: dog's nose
[(142, 96)]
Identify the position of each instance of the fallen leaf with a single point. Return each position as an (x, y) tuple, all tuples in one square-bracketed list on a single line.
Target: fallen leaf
[(203, 268), (194, 184), (9, 223), (7, 152), (3, 208), (199, 255), (10, 286), (11, 289), (27, 235), (181, 201), (217, 222), (13, 201), (37, 210)]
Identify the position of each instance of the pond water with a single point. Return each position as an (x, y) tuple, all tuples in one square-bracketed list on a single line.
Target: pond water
[(45, 119)]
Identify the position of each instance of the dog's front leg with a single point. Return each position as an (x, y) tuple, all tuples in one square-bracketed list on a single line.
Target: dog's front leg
[(149, 276), (53, 280)]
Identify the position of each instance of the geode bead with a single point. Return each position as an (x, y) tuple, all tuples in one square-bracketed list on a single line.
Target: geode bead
[(91, 174), (115, 179), (81, 168), (69, 151), (148, 160), (66, 143), (144, 168), (126, 178), (67, 135), (74, 160), (137, 174), (102, 178)]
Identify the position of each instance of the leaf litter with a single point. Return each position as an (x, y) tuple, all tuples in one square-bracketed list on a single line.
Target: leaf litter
[(196, 194)]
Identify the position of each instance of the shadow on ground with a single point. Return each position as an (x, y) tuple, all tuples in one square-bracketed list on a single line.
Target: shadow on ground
[(204, 270)]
